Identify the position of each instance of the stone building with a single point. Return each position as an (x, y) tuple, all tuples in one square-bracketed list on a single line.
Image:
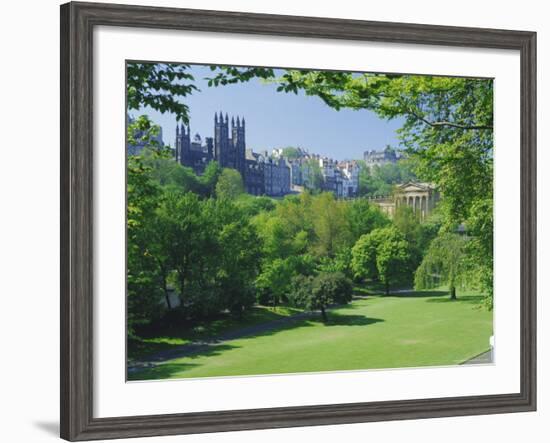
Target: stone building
[(338, 177), (276, 176), (262, 175), (332, 180), (421, 197), (230, 152), (296, 172), (386, 205), (378, 158), (194, 153), (350, 178), (254, 164)]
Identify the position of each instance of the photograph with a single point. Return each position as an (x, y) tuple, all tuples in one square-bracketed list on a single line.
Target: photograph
[(275, 221), (285, 220)]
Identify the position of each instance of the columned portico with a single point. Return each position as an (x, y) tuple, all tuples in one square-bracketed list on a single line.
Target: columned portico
[(420, 197)]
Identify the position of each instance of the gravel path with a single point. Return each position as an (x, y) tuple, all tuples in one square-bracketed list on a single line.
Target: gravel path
[(481, 359)]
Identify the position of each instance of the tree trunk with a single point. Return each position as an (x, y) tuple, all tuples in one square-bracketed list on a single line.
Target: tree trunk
[(182, 288), (165, 288), (166, 295), (387, 284), (324, 314), (453, 292), (167, 298)]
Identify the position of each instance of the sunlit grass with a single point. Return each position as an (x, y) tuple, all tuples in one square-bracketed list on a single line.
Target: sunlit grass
[(169, 338), (402, 330)]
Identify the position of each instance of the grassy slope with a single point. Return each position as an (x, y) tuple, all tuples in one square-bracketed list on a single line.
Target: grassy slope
[(175, 337), (379, 332)]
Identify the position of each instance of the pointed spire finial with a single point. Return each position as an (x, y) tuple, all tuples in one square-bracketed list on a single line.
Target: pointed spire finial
[(238, 121)]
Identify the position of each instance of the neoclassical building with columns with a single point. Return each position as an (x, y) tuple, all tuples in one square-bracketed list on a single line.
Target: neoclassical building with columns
[(420, 197)]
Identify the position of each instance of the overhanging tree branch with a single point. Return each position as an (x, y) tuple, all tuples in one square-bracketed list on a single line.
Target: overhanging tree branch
[(447, 123)]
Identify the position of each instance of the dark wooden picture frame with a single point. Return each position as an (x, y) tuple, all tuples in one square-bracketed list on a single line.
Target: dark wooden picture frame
[(77, 23)]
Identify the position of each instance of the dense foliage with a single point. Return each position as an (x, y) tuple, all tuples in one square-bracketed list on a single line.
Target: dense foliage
[(444, 262), (379, 180), (447, 133), (198, 246), (221, 250), (321, 291), (159, 86), (203, 249), (385, 255)]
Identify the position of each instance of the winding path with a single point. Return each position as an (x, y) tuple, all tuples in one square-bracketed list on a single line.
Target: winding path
[(481, 359), (199, 346)]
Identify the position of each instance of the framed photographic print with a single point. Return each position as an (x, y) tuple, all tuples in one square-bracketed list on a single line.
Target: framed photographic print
[(272, 221)]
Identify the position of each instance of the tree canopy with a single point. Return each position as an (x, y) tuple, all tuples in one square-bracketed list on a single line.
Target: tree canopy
[(444, 262), (447, 134), (319, 292), (384, 255), (230, 184), (161, 86)]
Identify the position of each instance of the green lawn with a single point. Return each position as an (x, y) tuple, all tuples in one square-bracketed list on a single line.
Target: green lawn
[(416, 329), (174, 337)]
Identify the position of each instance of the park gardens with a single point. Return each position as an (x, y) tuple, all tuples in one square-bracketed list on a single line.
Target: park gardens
[(233, 284), (223, 283)]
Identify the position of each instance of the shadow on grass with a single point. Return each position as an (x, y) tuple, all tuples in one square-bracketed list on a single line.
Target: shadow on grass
[(164, 371), (219, 345), (164, 339), (350, 320), (467, 299), (366, 290), (349, 306), (211, 345), (138, 348), (378, 290), (168, 370), (418, 294), (213, 325), (194, 351)]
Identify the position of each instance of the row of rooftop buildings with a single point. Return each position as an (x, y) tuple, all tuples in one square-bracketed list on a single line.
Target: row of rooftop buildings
[(263, 173)]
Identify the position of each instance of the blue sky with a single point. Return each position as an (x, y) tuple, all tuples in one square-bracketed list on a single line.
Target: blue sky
[(276, 119)]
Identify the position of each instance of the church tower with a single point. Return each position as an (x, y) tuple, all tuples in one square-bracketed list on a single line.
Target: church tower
[(221, 141), (178, 143), (183, 145), (239, 145)]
